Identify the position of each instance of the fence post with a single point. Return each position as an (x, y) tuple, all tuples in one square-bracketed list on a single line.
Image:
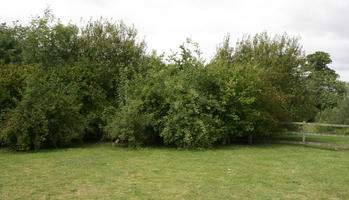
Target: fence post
[(303, 131), (250, 137)]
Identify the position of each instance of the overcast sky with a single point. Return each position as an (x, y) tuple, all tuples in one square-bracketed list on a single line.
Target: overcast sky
[(322, 25)]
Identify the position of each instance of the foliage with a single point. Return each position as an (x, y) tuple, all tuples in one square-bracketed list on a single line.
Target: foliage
[(11, 41), (336, 115), (283, 58), (49, 43), (47, 116), (62, 84), (91, 58), (188, 104), (12, 82), (323, 81)]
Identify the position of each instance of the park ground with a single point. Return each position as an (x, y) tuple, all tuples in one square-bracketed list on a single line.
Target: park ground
[(98, 171)]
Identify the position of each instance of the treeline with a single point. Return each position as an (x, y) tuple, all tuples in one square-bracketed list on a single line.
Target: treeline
[(65, 84)]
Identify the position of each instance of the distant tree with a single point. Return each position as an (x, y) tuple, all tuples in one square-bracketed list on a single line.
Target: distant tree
[(336, 115), (323, 81)]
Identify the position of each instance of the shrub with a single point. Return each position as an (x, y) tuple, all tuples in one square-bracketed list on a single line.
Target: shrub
[(187, 104), (46, 116), (12, 82)]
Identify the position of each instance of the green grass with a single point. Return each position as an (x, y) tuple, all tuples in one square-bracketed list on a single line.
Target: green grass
[(269, 171), (314, 138)]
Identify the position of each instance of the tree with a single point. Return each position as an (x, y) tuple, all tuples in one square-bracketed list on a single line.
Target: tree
[(49, 43), (11, 43), (323, 81), (282, 57)]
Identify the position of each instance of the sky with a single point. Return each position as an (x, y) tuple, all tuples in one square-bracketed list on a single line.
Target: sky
[(321, 25)]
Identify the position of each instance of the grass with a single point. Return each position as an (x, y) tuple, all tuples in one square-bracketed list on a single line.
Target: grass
[(315, 138), (97, 171)]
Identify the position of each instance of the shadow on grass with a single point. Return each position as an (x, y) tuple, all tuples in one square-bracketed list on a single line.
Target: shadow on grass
[(241, 143)]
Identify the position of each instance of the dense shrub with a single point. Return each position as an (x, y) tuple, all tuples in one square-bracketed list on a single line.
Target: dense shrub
[(188, 104), (90, 57), (12, 82), (47, 116), (11, 43)]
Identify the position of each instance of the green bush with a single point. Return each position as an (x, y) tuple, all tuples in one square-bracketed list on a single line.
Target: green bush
[(187, 104), (46, 116), (11, 43), (12, 83)]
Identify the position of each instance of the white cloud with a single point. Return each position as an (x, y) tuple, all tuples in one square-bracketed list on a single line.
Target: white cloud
[(321, 24)]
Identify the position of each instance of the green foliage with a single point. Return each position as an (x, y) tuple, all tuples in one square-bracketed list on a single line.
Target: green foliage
[(282, 58), (91, 58), (113, 48), (11, 41), (47, 116), (187, 104), (12, 83), (49, 43), (336, 115), (323, 81), (91, 92), (64, 83)]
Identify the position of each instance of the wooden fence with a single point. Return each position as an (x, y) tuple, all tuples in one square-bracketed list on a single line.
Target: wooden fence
[(304, 133)]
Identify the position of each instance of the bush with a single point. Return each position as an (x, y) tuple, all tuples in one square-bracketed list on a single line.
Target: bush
[(187, 104), (46, 116), (11, 43), (12, 83)]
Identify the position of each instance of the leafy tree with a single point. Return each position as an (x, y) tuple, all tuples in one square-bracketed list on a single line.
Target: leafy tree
[(49, 43), (283, 58), (11, 41), (224, 53), (323, 81)]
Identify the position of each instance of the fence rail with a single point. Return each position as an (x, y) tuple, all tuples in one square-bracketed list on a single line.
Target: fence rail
[(303, 133), (317, 134), (320, 124)]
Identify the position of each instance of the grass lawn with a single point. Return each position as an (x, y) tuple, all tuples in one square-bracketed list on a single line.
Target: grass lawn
[(270, 171), (315, 138)]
